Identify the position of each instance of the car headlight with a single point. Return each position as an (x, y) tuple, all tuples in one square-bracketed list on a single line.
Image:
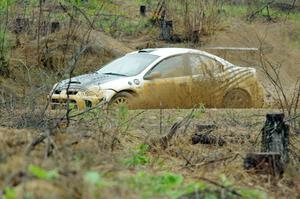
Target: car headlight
[(55, 85), (91, 93), (108, 94), (53, 88)]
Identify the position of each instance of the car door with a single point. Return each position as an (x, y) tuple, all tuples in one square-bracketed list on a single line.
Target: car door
[(207, 78), (169, 85)]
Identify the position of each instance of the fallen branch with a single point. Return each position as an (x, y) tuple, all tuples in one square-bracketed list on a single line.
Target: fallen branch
[(165, 140), (233, 157), (208, 139), (251, 16), (221, 186)]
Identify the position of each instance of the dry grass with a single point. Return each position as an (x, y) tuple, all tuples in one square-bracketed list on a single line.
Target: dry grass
[(87, 146)]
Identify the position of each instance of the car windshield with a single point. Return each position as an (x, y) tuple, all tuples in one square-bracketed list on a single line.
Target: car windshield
[(128, 65)]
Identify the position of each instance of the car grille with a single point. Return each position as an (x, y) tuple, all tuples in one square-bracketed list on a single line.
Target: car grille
[(88, 103), (62, 103), (72, 92)]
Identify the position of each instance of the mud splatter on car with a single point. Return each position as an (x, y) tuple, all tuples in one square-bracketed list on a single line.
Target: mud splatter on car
[(164, 78)]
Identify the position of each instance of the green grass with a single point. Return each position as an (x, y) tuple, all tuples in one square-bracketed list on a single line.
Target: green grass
[(173, 185), (139, 156), (241, 10), (10, 193), (294, 16), (235, 11), (167, 184), (41, 173)]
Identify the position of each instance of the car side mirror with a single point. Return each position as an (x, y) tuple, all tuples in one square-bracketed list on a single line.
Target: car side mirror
[(153, 75)]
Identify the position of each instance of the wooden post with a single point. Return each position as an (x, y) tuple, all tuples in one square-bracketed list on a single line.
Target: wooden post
[(274, 154)]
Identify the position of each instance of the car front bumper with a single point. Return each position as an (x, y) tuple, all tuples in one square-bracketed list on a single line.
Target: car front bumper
[(73, 101)]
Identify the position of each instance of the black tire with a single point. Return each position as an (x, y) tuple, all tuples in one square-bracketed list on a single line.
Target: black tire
[(237, 98), (119, 99)]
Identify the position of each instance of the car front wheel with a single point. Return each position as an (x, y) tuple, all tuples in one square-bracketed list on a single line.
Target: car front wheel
[(120, 99)]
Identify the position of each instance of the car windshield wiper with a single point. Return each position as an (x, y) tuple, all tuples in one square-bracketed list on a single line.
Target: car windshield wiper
[(117, 74)]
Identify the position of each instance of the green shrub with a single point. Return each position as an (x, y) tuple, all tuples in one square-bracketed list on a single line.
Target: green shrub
[(92, 177), (166, 184), (235, 10), (9, 193), (42, 173), (139, 156)]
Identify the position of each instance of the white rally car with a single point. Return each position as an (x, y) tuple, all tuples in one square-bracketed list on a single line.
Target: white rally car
[(163, 78)]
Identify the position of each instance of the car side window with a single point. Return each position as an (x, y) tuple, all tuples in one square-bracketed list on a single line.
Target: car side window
[(176, 66), (203, 65)]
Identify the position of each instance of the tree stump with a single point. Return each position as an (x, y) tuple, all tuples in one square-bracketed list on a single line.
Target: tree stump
[(55, 26), (274, 147), (275, 136), (167, 29), (195, 36), (21, 25), (143, 10), (264, 163)]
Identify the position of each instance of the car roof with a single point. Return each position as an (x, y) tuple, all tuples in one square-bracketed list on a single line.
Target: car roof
[(168, 52), (164, 52)]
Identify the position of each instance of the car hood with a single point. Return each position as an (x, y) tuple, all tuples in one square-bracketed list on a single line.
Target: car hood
[(85, 81)]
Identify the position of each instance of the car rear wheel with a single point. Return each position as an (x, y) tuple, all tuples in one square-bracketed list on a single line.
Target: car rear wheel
[(237, 98)]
